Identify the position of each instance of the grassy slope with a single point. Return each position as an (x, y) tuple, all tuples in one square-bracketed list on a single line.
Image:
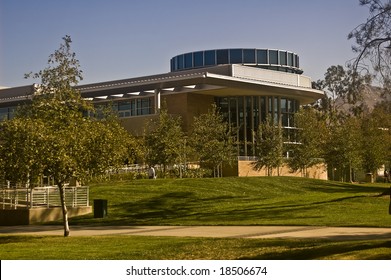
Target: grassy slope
[(241, 201), (236, 201)]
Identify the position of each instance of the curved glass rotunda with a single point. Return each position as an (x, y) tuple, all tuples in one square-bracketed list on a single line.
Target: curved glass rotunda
[(272, 59)]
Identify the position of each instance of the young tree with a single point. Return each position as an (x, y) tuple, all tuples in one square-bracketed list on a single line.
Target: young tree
[(52, 136), (211, 140), (311, 137), (164, 140), (269, 146)]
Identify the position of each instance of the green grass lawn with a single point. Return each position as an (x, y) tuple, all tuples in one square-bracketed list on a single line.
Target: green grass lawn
[(220, 201), (241, 201), (186, 248)]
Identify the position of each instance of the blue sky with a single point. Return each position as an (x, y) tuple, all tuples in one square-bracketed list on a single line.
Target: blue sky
[(117, 39)]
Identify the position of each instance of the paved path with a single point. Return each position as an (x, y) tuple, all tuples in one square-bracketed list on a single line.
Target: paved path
[(334, 233)]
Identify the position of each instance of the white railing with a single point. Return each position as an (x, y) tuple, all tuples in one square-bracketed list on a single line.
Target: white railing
[(46, 197)]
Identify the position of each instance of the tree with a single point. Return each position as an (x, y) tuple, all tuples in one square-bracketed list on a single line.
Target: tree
[(212, 141), (373, 42), (311, 136), (54, 136), (269, 146), (343, 86), (164, 140), (343, 150), (376, 129)]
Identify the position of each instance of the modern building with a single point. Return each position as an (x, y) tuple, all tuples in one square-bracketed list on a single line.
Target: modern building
[(246, 84)]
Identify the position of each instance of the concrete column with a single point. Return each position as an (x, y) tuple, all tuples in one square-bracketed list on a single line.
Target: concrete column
[(157, 100)]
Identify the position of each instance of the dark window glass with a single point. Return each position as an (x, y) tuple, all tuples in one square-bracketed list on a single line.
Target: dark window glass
[(297, 61), (273, 57), (198, 58), (222, 56), (172, 64), (249, 56), (235, 56), (189, 60), (263, 109), (290, 59), (262, 57), (283, 58), (180, 62), (122, 106), (210, 57), (3, 114)]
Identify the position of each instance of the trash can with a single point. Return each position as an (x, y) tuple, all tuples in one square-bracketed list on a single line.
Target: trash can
[(369, 178), (100, 208)]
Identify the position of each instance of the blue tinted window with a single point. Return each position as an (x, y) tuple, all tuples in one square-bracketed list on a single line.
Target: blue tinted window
[(180, 62), (262, 57), (189, 60), (297, 61), (273, 57), (290, 59), (235, 56), (172, 64), (210, 57), (198, 59), (248, 56), (283, 58), (222, 56)]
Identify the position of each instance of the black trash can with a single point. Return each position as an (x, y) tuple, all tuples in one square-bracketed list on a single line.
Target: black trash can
[(100, 208)]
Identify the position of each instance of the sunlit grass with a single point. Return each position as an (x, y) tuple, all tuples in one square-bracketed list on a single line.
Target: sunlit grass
[(186, 248), (241, 201)]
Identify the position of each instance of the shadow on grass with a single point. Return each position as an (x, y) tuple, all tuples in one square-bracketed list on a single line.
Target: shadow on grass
[(295, 250)]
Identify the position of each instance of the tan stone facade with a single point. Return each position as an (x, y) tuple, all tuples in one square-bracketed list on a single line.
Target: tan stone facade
[(245, 169)]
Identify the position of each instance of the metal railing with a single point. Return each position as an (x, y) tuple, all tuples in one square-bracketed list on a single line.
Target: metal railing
[(44, 197)]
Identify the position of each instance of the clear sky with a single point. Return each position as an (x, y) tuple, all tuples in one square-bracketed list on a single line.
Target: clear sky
[(117, 39)]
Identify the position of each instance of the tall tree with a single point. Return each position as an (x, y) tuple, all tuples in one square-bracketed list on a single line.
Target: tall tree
[(212, 141), (53, 135), (373, 41), (269, 146)]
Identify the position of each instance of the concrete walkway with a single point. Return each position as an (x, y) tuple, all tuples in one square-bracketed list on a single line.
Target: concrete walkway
[(333, 233)]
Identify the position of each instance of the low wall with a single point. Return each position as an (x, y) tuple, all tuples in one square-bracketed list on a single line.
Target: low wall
[(26, 216), (245, 169)]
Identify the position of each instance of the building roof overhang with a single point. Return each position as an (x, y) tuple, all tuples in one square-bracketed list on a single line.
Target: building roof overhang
[(225, 80), (215, 81)]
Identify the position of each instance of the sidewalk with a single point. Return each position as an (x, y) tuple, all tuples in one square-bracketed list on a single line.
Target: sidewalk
[(333, 233)]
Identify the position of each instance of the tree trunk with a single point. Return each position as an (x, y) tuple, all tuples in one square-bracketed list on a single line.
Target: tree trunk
[(61, 187)]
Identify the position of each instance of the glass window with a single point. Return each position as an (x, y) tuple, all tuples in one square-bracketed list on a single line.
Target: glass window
[(133, 107), (249, 56), (284, 105), (198, 58), (3, 114), (283, 58), (235, 56), (123, 106), (262, 57), (222, 56), (276, 111), (180, 62), (297, 61), (210, 57), (173, 64), (189, 60), (290, 59), (273, 57)]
